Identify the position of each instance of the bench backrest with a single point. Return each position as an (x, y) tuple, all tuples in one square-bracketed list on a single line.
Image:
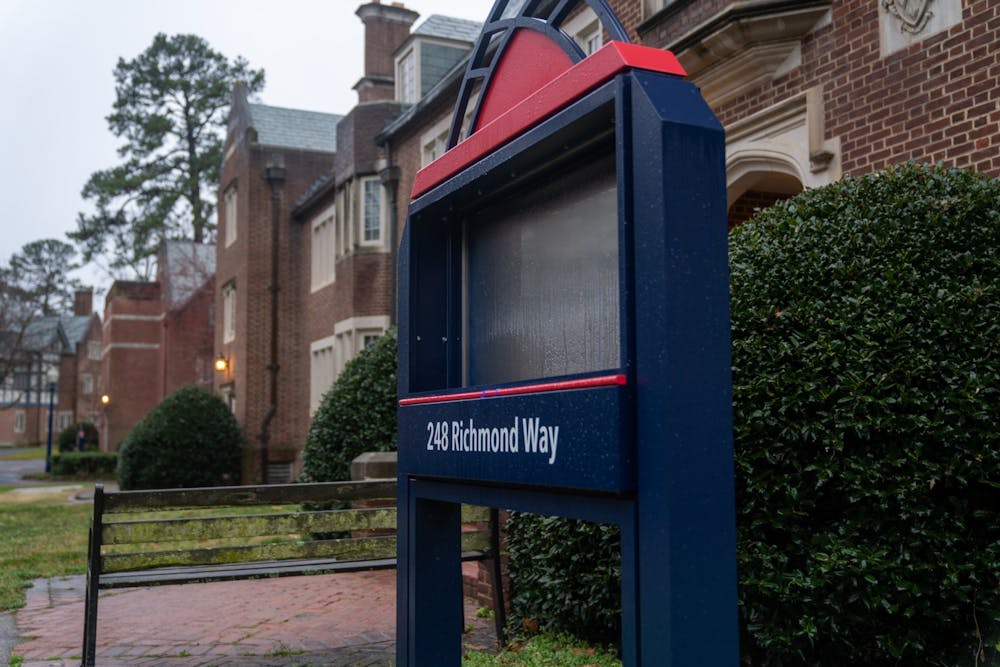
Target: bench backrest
[(342, 521)]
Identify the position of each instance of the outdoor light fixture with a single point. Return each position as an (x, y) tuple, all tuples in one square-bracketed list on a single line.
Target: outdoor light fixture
[(105, 399), (221, 363)]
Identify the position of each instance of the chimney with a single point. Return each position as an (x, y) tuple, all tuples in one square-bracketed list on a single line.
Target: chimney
[(83, 302), (386, 28)]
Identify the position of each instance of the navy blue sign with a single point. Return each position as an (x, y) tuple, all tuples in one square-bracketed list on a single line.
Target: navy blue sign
[(564, 333)]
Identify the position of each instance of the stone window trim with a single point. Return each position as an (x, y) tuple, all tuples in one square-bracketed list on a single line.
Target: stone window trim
[(786, 138), (745, 46), (94, 350), (87, 384), (20, 421), (328, 355)]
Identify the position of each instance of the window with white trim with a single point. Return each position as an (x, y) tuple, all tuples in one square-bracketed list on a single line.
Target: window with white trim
[(324, 249), (328, 356), (434, 147), (94, 350), (229, 204), (64, 419), (87, 384), (20, 421), (406, 77), (371, 211), (229, 312)]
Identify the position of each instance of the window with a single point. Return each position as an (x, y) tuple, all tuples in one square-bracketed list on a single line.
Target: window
[(20, 419), (64, 419), (229, 312), (322, 370), (590, 38), (229, 202), (87, 381), (434, 148), (371, 202), (323, 250), (94, 350), (406, 77), (22, 380), (328, 356), (229, 397)]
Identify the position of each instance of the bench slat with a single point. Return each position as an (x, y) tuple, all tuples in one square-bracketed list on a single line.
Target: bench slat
[(239, 496), (258, 525), (346, 549), (242, 526)]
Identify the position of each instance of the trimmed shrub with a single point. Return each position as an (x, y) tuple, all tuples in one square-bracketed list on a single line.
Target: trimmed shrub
[(357, 415), (85, 465), (866, 371), (565, 575), (67, 437), (190, 439)]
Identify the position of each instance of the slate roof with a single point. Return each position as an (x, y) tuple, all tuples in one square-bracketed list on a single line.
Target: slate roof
[(76, 327), (449, 27), (295, 128)]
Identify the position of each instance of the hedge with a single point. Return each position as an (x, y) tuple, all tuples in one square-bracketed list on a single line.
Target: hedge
[(866, 380), (190, 439), (866, 370), (85, 465)]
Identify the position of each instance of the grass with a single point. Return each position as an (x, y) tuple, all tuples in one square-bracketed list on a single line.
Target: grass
[(545, 650), (33, 454), (43, 536)]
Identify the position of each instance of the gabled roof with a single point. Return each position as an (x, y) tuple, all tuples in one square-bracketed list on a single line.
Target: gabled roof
[(294, 128), (43, 334), (76, 327), (449, 27)]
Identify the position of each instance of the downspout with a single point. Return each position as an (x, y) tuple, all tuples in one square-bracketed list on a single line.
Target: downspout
[(274, 174)]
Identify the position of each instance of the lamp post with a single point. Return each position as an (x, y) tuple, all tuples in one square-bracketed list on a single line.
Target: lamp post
[(52, 377)]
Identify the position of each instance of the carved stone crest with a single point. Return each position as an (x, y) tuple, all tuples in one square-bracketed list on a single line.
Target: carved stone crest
[(913, 14)]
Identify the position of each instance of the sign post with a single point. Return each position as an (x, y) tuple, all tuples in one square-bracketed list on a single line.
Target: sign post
[(564, 334)]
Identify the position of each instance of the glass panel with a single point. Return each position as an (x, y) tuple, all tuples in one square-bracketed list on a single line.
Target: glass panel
[(541, 284)]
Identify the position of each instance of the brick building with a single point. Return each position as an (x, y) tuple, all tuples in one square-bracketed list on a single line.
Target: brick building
[(808, 91), (57, 350), (306, 244), (157, 337)]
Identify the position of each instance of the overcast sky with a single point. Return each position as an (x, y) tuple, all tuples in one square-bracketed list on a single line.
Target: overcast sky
[(56, 83)]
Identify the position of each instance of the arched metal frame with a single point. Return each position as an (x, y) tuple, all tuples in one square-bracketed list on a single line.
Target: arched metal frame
[(483, 64)]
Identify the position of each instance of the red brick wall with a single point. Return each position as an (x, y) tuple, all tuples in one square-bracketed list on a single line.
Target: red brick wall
[(187, 341), (749, 203), (935, 101), (131, 367), (88, 404)]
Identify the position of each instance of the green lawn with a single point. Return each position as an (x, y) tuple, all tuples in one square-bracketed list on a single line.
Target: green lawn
[(43, 536), (33, 454)]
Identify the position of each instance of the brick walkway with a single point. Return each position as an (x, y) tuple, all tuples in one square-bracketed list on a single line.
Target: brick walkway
[(341, 620)]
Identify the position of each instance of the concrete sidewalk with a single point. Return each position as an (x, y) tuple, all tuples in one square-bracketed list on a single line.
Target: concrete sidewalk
[(346, 619)]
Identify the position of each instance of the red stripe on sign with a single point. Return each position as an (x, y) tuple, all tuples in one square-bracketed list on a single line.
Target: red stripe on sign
[(572, 84), (585, 383)]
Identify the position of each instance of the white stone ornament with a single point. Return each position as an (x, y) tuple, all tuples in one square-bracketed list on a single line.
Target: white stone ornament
[(912, 14)]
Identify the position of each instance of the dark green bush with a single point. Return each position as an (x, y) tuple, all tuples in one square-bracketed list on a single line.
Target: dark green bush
[(357, 415), (866, 370), (190, 439), (85, 465), (67, 437), (565, 574)]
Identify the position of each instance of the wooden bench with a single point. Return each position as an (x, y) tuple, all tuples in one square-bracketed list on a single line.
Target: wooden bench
[(179, 536)]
